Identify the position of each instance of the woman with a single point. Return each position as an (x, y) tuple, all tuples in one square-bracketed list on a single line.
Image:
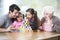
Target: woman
[(49, 21)]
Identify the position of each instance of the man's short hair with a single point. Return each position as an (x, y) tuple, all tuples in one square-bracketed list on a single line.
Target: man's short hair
[(13, 7)]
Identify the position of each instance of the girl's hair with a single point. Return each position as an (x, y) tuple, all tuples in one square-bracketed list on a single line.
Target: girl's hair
[(20, 15), (34, 13)]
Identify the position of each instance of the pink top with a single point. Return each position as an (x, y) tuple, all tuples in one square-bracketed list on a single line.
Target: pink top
[(47, 26), (17, 24)]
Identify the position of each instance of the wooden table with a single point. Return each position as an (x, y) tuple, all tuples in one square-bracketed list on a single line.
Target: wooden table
[(29, 36)]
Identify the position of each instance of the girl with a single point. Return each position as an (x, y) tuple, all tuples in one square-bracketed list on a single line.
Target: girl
[(34, 22), (18, 22)]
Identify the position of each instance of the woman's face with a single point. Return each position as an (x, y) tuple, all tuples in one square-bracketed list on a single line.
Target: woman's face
[(29, 15), (19, 19), (48, 15)]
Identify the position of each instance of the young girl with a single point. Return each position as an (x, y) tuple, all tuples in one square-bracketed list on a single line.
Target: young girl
[(18, 22), (34, 22)]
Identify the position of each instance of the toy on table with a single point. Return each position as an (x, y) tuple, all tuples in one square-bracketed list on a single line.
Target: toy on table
[(25, 26)]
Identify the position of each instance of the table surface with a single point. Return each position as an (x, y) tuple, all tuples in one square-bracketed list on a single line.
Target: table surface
[(27, 35)]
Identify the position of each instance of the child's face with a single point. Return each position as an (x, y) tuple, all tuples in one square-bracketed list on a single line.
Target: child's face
[(29, 15), (19, 19)]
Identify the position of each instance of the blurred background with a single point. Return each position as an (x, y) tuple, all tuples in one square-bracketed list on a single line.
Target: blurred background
[(25, 4)]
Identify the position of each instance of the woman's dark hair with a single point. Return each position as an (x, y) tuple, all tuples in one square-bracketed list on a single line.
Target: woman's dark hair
[(33, 12)]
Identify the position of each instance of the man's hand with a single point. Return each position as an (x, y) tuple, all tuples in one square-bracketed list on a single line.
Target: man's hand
[(3, 30)]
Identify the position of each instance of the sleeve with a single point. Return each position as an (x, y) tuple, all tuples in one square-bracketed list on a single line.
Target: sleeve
[(2, 20), (42, 21), (56, 25)]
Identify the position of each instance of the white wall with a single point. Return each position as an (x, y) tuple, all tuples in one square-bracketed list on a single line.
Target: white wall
[(36, 4)]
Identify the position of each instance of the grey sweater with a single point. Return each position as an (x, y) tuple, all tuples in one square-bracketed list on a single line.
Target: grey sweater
[(5, 21)]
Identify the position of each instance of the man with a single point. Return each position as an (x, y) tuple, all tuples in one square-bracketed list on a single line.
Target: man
[(7, 20), (49, 15)]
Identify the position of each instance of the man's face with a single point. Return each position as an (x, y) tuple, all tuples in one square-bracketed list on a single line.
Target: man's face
[(14, 14)]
